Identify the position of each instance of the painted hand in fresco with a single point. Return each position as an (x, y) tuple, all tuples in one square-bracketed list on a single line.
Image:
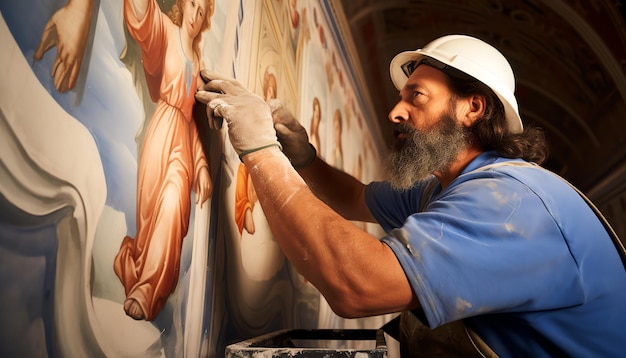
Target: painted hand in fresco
[(292, 135), (68, 29), (248, 116), (203, 186)]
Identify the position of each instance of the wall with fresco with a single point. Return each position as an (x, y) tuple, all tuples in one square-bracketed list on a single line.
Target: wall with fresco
[(127, 226)]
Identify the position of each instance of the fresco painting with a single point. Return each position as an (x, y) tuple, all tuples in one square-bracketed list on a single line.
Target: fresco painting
[(129, 228)]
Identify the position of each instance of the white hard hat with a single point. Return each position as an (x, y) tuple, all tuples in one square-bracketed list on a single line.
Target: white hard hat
[(473, 57)]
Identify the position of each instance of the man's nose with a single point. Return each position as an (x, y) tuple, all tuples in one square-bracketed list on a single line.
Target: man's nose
[(399, 113)]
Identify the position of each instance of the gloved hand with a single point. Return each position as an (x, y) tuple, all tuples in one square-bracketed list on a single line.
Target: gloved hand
[(249, 118), (292, 136)]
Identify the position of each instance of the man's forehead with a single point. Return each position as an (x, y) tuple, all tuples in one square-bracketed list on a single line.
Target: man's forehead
[(425, 75)]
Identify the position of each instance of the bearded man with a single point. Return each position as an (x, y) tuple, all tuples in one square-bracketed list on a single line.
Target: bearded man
[(481, 243)]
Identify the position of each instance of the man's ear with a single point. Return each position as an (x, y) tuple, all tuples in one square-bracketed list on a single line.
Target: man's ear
[(477, 105)]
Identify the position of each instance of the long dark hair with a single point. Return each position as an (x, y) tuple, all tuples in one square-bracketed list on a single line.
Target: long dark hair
[(490, 132)]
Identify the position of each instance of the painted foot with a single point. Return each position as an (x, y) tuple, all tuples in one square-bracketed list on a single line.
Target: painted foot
[(133, 310)]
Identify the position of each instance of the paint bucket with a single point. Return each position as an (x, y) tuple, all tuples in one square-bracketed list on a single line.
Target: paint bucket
[(313, 343)]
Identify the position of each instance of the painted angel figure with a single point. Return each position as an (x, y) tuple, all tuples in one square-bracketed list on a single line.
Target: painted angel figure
[(172, 162)]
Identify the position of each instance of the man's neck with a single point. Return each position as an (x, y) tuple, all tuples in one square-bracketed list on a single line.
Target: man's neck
[(456, 168)]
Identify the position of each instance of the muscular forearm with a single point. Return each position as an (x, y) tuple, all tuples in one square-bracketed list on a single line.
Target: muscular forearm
[(357, 273), (342, 192), (349, 266)]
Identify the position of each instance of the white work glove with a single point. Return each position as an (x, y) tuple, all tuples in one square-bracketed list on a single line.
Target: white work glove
[(250, 125), (292, 136)]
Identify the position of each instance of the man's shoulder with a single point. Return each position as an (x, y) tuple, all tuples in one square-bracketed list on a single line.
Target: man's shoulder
[(517, 170)]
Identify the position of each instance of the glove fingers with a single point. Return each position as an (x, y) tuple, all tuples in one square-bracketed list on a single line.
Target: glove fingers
[(282, 131), (211, 100), (292, 141), (208, 75), (290, 122), (275, 104), (206, 96), (219, 108), (216, 82), (281, 115), (215, 121)]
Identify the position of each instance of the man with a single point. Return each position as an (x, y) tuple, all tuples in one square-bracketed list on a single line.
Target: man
[(507, 248)]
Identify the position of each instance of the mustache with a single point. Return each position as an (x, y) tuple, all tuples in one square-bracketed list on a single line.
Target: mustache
[(402, 128)]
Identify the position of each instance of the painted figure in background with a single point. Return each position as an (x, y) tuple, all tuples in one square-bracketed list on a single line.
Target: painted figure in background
[(172, 160), (315, 124), (336, 157), (245, 195), (294, 20)]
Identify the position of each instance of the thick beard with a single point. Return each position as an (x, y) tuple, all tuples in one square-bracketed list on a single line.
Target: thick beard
[(422, 153)]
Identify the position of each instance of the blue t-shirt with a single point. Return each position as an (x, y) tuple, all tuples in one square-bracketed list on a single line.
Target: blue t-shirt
[(517, 253)]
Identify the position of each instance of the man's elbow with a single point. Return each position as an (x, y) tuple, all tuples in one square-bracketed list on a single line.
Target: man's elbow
[(349, 305), (351, 302), (344, 309)]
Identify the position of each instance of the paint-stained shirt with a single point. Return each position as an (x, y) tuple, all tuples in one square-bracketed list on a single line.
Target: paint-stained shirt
[(516, 252)]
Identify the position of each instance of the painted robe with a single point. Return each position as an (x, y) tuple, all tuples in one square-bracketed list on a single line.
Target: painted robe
[(242, 200)]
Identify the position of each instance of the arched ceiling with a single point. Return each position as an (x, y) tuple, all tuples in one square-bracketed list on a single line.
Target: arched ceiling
[(569, 59)]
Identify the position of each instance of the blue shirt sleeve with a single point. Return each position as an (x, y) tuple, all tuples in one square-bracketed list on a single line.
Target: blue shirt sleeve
[(391, 207)]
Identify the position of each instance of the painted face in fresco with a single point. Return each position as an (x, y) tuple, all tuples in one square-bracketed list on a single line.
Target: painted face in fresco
[(337, 127), (316, 111), (195, 14)]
